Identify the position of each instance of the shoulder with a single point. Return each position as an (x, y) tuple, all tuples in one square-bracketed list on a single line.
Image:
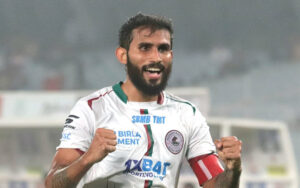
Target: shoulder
[(99, 95), (180, 103)]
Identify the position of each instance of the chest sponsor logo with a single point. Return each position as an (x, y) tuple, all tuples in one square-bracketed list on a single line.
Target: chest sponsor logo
[(128, 137), (147, 119), (174, 141), (147, 168)]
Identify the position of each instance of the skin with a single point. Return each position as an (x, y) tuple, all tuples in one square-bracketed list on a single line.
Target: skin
[(229, 150), (69, 166), (145, 48)]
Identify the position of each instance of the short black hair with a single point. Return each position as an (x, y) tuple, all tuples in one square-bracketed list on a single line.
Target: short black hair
[(148, 21)]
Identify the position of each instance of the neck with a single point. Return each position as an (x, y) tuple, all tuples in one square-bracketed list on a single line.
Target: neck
[(136, 95)]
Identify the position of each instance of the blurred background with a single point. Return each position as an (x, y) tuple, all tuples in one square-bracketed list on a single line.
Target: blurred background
[(245, 55)]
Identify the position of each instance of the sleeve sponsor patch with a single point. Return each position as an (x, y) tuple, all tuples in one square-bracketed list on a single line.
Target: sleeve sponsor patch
[(69, 120)]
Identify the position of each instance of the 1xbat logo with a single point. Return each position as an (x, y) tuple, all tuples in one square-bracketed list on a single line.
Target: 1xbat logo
[(147, 168)]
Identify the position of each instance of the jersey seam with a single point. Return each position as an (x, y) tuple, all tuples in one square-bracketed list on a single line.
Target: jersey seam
[(184, 102), (90, 101)]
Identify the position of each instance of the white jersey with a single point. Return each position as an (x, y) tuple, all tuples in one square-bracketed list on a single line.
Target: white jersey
[(152, 138)]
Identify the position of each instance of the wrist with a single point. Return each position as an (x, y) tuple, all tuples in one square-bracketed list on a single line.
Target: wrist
[(236, 172), (236, 168), (234, 165), (86, 161)]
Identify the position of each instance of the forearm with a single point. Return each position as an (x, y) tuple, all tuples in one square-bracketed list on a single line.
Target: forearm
[(69, 176), (228, 179)]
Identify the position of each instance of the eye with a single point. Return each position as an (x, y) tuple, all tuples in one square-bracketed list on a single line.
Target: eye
[(164, 48), (144, 46)]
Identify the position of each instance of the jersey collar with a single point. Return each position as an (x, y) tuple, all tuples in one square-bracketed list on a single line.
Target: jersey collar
[(120, 93)]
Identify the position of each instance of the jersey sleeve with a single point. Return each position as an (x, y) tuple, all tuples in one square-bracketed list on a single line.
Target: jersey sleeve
[(200, 141), (201, 152), (78, 128)]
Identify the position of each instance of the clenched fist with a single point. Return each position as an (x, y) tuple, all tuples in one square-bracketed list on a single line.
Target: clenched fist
[(104, 142), (229, 150)]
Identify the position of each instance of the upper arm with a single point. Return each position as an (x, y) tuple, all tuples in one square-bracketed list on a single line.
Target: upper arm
[(65, 156), (62, 158), (76, 137), (206, 168), (78, 129), (200, 140)]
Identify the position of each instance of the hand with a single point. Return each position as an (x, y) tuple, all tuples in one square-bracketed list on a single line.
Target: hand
[(104, 142), (229, 150)]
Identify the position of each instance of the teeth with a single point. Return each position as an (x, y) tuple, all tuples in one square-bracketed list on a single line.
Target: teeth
[(153, 69)]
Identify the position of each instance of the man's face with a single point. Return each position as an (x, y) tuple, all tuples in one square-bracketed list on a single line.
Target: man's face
[(149, 60)]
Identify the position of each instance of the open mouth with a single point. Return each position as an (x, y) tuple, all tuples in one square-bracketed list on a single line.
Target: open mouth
[(153, 70)]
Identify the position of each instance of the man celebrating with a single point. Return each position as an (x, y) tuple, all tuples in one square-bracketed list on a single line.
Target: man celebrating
[(134, 134)]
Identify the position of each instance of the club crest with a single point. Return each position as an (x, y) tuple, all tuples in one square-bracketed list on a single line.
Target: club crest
[(174, 141)]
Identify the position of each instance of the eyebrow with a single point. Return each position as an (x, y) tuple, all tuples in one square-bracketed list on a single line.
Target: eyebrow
[(145, 44), (151, 44), (165, 45)]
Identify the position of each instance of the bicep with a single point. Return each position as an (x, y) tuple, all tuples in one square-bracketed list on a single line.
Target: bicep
[(64, 157), (200, 140)]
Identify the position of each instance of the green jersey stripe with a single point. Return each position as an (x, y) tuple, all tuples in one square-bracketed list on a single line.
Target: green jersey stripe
[(185, 102)]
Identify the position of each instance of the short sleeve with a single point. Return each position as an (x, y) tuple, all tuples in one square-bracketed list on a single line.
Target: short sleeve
[(200, 142), (78, 128)]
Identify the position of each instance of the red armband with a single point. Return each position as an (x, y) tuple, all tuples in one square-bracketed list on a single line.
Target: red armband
[(206, 167)]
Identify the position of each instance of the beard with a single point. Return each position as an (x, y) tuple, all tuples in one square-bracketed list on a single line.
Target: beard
[(150, 88)]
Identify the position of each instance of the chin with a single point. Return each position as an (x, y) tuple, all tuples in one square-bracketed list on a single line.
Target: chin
[(154, 83)]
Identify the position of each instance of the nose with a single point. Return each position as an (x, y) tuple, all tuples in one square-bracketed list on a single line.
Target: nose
[(155, 55)]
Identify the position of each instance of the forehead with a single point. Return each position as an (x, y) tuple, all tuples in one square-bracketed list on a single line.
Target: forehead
[(146, 34)]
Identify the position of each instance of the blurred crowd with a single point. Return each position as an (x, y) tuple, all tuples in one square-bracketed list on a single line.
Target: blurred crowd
[(69, 44)]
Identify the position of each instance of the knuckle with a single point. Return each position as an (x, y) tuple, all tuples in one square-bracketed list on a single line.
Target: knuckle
[(106, 149), (111, 148), (96, 138), (103, 145), (99, 130)]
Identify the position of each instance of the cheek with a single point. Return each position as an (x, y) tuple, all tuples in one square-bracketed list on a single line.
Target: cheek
[(168, 57), (137, 59)]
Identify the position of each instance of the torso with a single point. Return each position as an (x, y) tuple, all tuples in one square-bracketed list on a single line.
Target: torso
[(152, 140)]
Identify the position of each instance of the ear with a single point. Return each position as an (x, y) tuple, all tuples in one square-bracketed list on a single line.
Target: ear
[(121, 54)]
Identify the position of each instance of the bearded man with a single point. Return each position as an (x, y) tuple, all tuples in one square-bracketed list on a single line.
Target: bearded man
[(134, 134)]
